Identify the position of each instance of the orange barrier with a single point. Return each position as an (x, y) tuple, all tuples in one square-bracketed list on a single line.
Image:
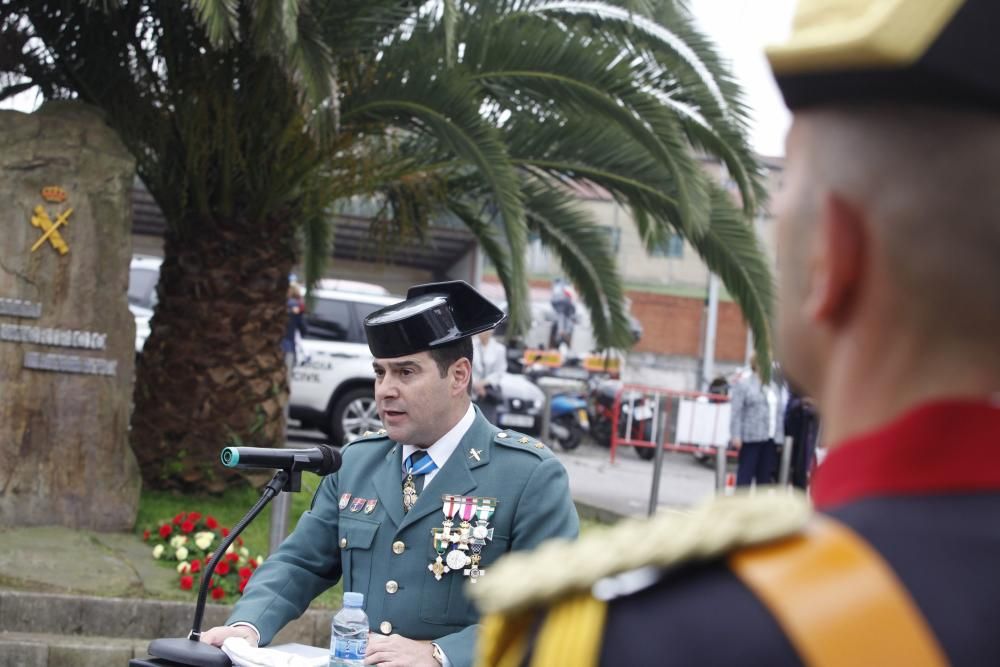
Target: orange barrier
[(685, 429)]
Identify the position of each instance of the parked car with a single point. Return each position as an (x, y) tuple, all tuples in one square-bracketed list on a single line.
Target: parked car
[(332, 384)]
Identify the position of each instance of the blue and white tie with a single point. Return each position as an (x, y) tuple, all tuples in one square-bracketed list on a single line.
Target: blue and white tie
[(415, 466)]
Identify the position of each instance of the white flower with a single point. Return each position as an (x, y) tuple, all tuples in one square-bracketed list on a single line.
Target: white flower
[(244, 552), (260, 560), (204, 540), (231, 549), (183, 568), (157, 551), (178, 541), (181, 553)]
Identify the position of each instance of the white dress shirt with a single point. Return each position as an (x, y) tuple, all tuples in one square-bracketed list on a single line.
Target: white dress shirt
[(445, 446)]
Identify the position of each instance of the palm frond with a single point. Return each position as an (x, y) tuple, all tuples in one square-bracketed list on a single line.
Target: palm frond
[(732, 250), (583, 251), (220, 19)]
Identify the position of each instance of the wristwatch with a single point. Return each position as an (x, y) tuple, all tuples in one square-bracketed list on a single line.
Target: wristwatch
[(437, 654)]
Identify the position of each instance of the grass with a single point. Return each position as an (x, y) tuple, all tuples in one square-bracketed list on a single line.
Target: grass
[(157, 506)]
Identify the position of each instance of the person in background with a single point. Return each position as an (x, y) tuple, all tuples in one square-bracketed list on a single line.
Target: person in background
[(489, 363), (802, 424), (295, 326), (756, 427)]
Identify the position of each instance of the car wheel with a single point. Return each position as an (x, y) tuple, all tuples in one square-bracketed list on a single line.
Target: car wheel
[(572, 440), (353, 415)]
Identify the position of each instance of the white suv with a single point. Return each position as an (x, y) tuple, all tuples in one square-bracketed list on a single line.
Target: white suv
[(333, 380), (332, 385)]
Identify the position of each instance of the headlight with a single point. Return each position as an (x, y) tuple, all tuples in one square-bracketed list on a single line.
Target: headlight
[(516, 403)]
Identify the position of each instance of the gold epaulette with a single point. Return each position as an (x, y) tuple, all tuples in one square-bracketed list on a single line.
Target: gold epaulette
[(565, 568)]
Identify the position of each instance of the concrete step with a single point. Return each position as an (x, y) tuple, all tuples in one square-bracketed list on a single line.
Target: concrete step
[(86, 616), (39, 649)]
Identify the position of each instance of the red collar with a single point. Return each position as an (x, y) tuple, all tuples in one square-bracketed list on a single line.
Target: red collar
[(942, 447)]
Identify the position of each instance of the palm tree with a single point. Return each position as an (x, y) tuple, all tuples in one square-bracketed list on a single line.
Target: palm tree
[(251, 119)]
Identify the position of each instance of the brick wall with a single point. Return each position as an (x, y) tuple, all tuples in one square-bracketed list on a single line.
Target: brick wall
[(672, 325)]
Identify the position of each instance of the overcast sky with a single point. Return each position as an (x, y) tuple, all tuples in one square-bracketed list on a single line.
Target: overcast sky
[(741, 29)]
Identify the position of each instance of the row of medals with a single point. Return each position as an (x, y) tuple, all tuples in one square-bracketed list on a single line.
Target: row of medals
[(459, 548)]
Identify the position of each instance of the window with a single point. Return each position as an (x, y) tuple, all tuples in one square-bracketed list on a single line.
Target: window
[(672, 247), (363, 311), (614, 236), (329, 320)]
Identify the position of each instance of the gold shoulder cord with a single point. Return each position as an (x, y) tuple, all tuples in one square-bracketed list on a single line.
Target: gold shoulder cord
[(837, 600)]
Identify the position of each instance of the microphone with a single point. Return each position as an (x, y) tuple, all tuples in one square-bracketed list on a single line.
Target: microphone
[(321, 459)]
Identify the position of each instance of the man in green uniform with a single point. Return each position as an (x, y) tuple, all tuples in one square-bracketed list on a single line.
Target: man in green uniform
[(420, 510)]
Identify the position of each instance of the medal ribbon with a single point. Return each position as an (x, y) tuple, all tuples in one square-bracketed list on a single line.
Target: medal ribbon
[(468, 508), (450, 506), (484, 512)]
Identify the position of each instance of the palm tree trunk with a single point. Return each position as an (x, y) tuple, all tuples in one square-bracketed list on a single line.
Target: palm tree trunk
[(212, 373)]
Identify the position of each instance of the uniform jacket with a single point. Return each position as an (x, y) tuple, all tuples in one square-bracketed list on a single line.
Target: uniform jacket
[(384, 552), (752, 413), (924, 492)]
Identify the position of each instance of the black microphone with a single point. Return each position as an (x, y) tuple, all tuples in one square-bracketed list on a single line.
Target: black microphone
[(321, 459)]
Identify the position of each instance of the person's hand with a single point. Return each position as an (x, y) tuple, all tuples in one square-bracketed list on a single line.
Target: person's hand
[(221, 633), (737, 444), (397, 651)]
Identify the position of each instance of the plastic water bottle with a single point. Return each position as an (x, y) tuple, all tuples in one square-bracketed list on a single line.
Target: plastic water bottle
[(349, 633)]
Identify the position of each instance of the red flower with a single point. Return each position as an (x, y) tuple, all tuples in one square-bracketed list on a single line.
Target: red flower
[(194, 516), (187, 527), (211, 582), (165, 530), (187, 582), (179, 519), (196, 565), (222, 569), (145, 535), (245, 572), (233, 557), (225, 532), (243, 584), (218, 593), (254, 563), (211, 522), (239, 541)]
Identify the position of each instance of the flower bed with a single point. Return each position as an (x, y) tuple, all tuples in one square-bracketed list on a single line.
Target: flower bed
[(190, 539)]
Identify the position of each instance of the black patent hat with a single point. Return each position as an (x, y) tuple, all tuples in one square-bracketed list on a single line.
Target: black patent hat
[(929, 52), (433, 315)]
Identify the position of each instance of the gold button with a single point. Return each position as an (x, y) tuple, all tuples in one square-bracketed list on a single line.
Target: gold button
[(524, 440), (539, 445), (398, 548), (343, 542), (391, 587), (386, 628)]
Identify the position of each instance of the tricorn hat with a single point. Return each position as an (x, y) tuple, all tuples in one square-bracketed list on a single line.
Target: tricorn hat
[(938, 52), (432, 315)]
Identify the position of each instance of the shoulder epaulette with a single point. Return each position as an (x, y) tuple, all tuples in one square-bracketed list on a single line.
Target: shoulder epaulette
[(515, 440), (368, 436), (716, 528)]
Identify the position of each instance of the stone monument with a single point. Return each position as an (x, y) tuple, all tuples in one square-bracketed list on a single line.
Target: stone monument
[(67, 338)]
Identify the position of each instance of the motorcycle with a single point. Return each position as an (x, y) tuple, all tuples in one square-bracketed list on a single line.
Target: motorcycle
[(568, 420), (602, 398)]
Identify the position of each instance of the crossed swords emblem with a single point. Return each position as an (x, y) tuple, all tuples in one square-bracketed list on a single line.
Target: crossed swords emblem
[(49, 228)]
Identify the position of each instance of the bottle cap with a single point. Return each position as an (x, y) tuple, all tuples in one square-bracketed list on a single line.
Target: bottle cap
[(354, 599)]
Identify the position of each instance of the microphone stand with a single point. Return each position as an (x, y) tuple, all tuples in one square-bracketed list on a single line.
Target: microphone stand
[(190, 650)]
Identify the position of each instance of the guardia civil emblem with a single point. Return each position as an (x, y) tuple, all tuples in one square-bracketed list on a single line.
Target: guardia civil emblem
[(40, 218)]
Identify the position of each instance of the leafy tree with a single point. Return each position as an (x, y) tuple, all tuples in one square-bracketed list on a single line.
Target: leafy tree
[(253, 120)]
